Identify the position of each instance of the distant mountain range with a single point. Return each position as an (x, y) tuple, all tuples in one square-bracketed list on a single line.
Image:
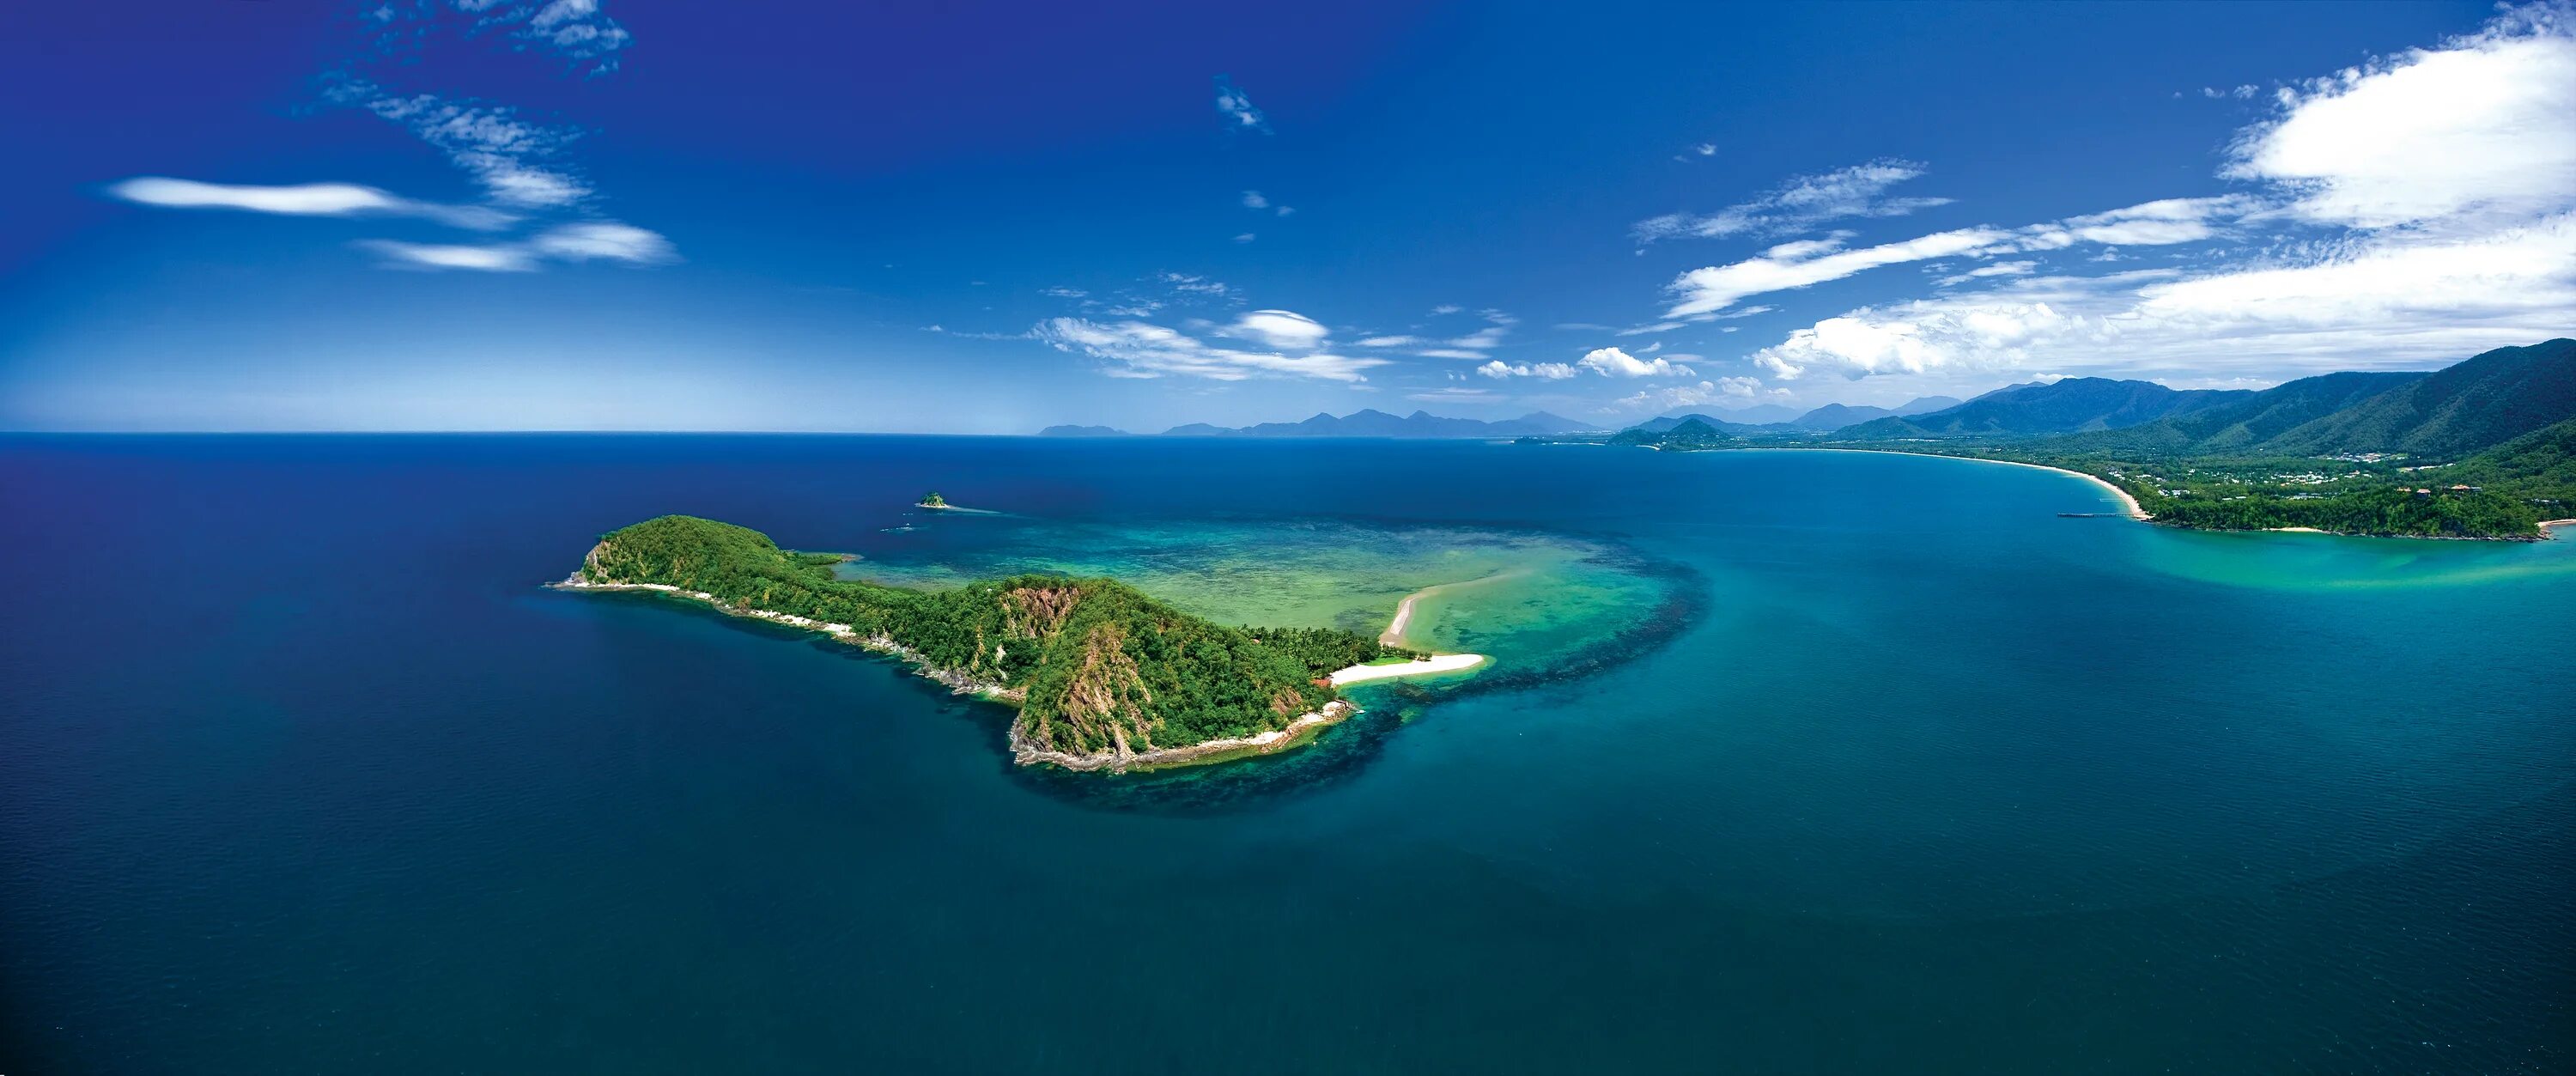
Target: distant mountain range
[(1365, 423), (2471, 405), (1775, 419)]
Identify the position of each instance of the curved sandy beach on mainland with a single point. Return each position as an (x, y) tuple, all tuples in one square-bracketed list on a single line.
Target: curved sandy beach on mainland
[(2129, 504)]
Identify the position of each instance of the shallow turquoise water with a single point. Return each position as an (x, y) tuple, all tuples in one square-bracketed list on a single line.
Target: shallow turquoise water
[(1876, 766)]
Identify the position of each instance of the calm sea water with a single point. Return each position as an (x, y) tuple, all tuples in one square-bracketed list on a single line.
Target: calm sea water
[(1826, 763)]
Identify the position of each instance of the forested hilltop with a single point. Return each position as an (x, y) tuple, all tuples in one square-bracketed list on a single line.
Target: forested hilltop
[(2484, 448), (1095, 666)]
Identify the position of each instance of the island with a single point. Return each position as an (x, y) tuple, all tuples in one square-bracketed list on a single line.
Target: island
[(1102, 676)]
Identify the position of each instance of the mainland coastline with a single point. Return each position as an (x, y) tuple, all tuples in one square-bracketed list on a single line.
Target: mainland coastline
[(2128, 503)]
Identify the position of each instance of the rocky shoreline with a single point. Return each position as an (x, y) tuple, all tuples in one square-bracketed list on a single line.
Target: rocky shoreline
[(1022, 751), (1028, 754), (957, 682)]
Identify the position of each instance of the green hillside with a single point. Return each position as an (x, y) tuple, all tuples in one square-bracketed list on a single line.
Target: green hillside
[(1101, 667), (2475, 404), (2069, 405), (1690, 435), (2236, 427)]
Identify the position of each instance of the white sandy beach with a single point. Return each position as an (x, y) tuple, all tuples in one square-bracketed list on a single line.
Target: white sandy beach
[(1437, 663)]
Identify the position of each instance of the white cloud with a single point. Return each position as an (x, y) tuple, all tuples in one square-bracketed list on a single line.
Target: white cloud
[(1612, 362), (505, 154), (2019, 268), (1545, 371), (574, 29), (1476, 344), (1708, 290), (2484, 125), (1801, 202), (1706, 392), (2159, 223), (2397, 302), (605, 240), (595, 240), (1190, 284), (1140, 349), (496, 258), (1283, 329), (1236, 107), (302, 199), (2452, 172), (1701, 293)]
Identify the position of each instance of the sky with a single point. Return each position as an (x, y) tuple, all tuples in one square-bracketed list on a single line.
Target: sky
[(988, 218)]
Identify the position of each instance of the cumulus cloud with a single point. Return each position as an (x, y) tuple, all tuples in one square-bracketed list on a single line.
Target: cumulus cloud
[(1800, 203), (1140, 349), (1236, 107), (1545, 371), (2449, 172), (1612, 362), (2483, 126), (2390, 304), (302, 199)]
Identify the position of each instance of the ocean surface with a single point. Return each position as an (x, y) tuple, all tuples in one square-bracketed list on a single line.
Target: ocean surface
[(1789, 762)]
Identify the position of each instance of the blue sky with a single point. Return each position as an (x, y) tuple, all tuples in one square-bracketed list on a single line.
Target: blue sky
[(647, 214)]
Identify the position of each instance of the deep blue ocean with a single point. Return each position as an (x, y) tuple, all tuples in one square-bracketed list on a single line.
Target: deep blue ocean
[(1896, 771)]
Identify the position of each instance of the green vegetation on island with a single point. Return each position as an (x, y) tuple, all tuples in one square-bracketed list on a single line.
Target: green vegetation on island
[(1692, 435), (1096, 667)]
